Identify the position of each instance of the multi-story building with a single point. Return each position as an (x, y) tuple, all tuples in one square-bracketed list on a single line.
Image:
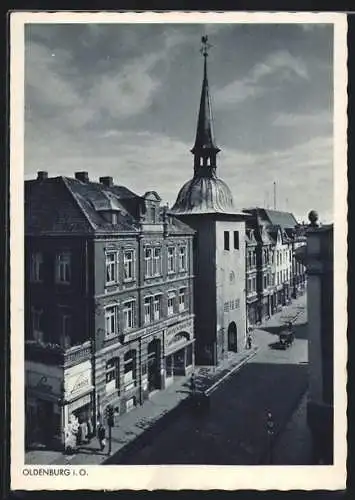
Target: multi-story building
[(251, 277), (317, 256), (278, 235), (205, 203), (109, 300)]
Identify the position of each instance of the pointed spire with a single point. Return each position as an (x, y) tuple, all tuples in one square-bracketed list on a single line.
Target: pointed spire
[(205, 149)]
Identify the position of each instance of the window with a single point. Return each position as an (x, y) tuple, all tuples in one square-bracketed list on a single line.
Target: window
[(128, 314), (249, 285), (171, 303), (37, 324), (111, 267), (63, 268), (254, 258), (226, 240), (171, 259), (182, 299), (236, 240), (130, 369), (128, 264), (157, 307), (157, 261), (254, 284), (66, 329), (147, 310), (153, 214), (112, 375), (111, 320), (148, 262), (182, 259), (36, 272)]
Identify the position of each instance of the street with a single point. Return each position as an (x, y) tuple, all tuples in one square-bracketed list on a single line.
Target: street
[(233, 430)]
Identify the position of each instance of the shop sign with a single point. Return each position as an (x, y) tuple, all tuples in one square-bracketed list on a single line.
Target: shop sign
[(42, 383), (185, 326), (78, 382)]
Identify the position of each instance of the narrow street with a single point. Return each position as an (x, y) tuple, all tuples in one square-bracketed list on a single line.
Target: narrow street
[(233, 430)]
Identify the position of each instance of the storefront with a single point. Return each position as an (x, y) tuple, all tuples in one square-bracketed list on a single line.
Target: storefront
[(252, 312), (179, 355), (43, 396), (79, 394)]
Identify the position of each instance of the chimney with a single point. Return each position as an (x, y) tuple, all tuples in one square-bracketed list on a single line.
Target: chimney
[(41, 175), (82, 176), (106, 181)]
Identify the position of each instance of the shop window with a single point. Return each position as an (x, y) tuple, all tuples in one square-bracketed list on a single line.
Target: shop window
[(63, 268), (157, 307), (171, 259), (128, 264), (236, 240), (36, 270), (189, 355), (112, 375), (182, 299), (157, 261), (182, 258), (129, 314), (226, 240), (148, 262), (130, 369), (147, 310), (111, 320)]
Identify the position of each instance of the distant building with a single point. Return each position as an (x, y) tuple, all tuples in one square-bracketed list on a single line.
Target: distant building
[(278, 275), (205, 203), (109, 300), (318, 257)]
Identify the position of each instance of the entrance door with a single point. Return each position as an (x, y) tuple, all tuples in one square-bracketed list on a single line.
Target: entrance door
[(154, 378), (232, 337)]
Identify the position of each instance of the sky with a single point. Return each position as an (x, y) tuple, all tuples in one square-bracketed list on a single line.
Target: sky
[(122, 100)]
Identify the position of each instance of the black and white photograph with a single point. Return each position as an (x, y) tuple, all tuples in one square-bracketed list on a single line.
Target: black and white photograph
[(179, 191)]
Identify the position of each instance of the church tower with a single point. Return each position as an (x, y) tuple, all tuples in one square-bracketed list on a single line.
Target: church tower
[(205, 203)]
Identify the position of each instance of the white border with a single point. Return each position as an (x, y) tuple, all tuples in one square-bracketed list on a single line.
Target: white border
[(177, 477)]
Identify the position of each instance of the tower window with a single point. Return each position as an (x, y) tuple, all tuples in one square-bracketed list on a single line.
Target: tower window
[(226, 240), (236, 240)]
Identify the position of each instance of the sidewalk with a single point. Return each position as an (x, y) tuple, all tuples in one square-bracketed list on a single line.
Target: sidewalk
[(141, 422), (290, 312)]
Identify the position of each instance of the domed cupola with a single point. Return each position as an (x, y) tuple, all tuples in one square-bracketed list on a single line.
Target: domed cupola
[(205, 192)]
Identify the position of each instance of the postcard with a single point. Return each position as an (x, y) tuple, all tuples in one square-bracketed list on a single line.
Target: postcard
[(178, 250)]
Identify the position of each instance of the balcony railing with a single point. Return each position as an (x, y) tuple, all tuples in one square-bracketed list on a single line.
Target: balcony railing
[(54, 354)]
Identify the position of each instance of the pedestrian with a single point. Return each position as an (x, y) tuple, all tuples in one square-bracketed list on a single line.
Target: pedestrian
[(90, 429), (193, 384), (249, 341), (101, 435)]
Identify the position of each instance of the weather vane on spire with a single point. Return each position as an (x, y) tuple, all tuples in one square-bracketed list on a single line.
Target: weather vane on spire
[(205, 46)]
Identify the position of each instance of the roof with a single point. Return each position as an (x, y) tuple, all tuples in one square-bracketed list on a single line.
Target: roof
[(204, 133), (204, 195), (63, 204), (282, 219)]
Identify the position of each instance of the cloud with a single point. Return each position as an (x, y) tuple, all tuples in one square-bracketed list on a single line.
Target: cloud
[(281, 63), (317, 118)]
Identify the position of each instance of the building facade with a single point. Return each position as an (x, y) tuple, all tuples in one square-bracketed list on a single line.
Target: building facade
[(279, 277), (205, 203), (317, 256), (109, 301)]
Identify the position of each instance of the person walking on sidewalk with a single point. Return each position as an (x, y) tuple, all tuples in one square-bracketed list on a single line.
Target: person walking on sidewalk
[(101, 435), (249, 341), (193, 384)]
